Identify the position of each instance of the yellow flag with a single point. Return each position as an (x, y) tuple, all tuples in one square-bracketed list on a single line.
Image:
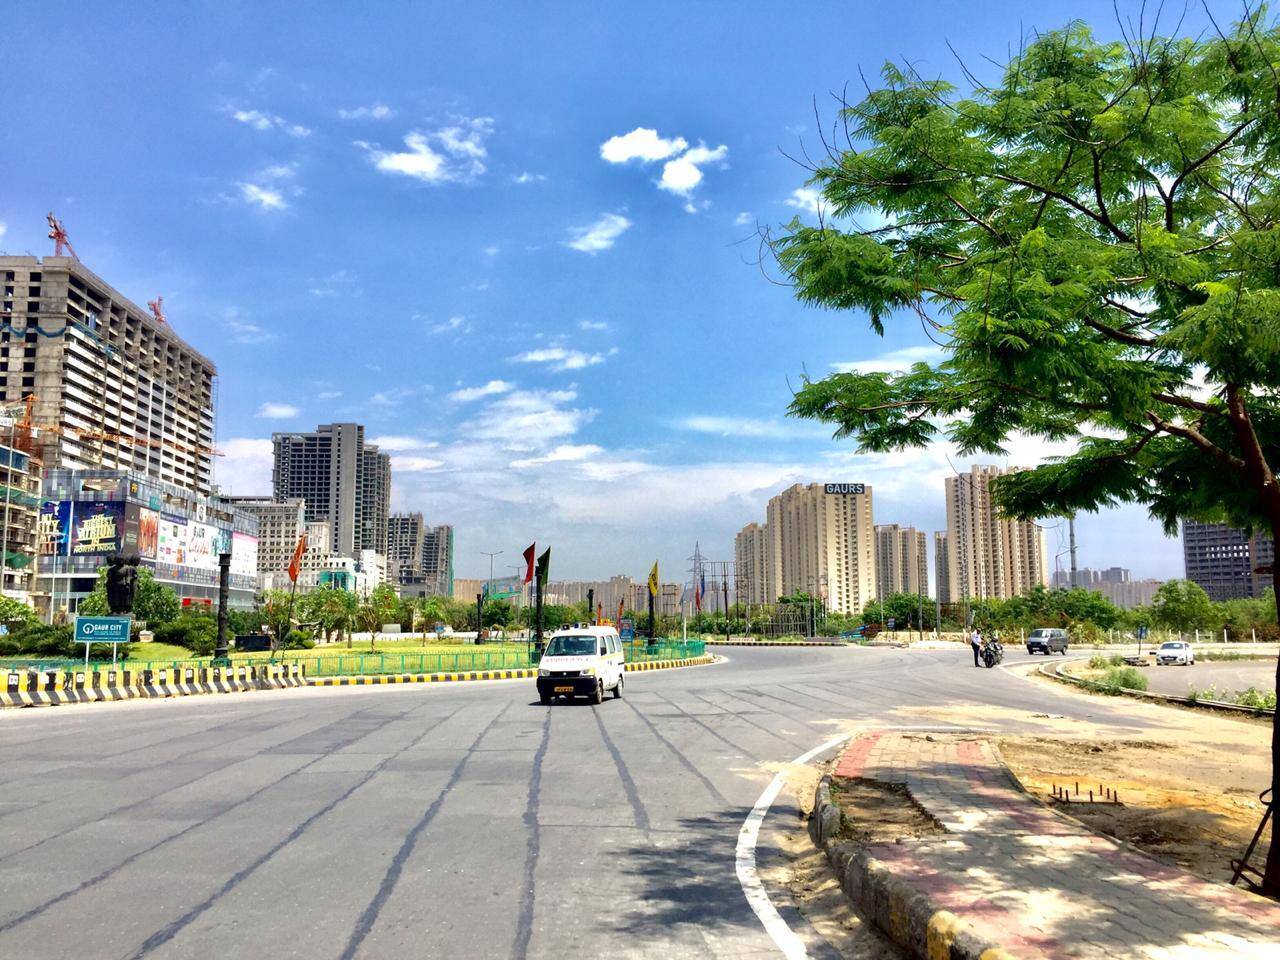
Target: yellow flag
[(653, 580)]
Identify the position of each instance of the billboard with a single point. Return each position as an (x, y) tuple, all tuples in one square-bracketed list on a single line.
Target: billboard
[(148, 533), (98, 529), (171, 540), (504, 587), (202, 546), (54, 530), (244, 555)]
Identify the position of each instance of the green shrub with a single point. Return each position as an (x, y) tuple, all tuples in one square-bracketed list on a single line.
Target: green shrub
[(1118, 679), (44, 640), (9, 647), (1257, 699), (1098, 663), (299, 640), (1117, 660)]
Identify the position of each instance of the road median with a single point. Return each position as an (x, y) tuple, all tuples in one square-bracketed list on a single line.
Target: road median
[(524, 673)]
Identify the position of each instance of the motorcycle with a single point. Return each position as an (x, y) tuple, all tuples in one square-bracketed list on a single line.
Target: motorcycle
[(992, 653)]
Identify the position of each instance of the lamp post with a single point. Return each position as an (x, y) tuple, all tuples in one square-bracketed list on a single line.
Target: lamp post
[(488, 592)]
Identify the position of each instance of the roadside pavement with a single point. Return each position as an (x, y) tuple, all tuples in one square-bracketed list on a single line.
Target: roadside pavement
[(1039, 884)]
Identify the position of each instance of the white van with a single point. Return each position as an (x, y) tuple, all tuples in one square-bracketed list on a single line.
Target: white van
[(581, 661)]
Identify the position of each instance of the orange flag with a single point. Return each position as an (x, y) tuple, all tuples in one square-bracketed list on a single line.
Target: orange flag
[(295, 565)]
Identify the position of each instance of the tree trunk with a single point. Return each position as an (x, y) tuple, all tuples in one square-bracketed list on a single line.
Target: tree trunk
[(1271, 872)]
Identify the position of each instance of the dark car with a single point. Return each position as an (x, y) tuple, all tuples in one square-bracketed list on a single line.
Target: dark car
[(1047, 640)]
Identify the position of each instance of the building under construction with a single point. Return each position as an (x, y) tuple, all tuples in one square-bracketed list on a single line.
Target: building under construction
[(104, 383)]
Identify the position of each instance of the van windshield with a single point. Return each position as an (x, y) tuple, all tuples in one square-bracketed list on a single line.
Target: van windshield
[(571, 647)]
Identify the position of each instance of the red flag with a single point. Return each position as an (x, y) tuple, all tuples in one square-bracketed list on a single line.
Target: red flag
[(528, 561), (295, 565)]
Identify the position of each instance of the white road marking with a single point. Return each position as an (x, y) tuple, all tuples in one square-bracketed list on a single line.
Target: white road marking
[(792, 946)]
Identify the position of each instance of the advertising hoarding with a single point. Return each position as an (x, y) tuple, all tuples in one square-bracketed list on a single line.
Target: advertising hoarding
[(171, 542), (244, 555), (98, 529), (202, 546), (54, 531)]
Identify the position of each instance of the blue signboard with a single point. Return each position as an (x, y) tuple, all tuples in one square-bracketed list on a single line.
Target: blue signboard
[(627, 628), (102, 629)]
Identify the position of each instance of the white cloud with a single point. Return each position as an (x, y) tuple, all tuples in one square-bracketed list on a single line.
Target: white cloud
[(270, 186), (245, 466), (807, 200), (241, 331), (529, 419), (564, 453), (4, 228), (455, 153), (490, 389), (600, 235), (277, 411), (561, 358), (642, 143), (743, 219), (400, 444), (741, 427), (683, 174), (455, 324), (414, 464), (261, 120), (374, 111), (329, 395), (527, 177), (592, 325), (894, 361), (267, 198), (492, 250)]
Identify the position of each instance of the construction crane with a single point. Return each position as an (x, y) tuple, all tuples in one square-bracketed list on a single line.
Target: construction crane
[(157, 308), (25, 431), (58, 234)]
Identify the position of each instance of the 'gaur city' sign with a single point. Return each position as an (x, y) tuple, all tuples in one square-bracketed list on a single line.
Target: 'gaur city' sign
[(846, 488)]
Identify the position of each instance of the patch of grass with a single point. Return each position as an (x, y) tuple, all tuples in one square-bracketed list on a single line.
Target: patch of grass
[(1098, 663), (1253, 698)]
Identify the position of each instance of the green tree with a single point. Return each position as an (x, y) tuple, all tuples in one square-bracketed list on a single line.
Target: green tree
[(1182, 605), (1091, 240), (381, 605), (153, 602), (15, 614)]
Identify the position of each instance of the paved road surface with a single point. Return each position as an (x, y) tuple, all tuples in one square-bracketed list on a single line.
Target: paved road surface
[(1228, 676), (448, 820)]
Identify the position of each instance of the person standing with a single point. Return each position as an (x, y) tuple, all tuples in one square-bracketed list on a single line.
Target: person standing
[(975, 641)]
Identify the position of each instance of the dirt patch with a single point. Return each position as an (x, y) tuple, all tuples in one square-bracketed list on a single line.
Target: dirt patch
[(876, 812), (1191, 802)]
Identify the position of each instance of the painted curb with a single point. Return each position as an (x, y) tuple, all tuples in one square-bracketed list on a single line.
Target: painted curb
[(522, 673), (907, 915), (33, 688)]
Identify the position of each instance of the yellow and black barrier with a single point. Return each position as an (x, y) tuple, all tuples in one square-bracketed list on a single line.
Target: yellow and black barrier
[(29, 688)]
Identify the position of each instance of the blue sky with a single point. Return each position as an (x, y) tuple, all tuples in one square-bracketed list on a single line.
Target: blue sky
[(516, 241)]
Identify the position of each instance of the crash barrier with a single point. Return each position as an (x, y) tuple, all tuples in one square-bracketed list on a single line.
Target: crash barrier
[(25, 688)]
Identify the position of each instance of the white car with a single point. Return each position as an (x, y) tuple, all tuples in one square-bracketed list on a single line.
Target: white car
[(581, 661), (1175, 652)]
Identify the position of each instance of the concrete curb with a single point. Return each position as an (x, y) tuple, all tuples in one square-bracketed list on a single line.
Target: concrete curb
[(1053, 672), (907, 915), (32, 688), (522, 673)]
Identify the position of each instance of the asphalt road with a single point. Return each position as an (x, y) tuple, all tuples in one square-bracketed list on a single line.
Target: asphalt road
[(451, 820), (1229, 676)]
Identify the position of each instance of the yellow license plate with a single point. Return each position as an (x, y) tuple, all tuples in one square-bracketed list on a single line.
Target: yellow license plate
[(564, 689)]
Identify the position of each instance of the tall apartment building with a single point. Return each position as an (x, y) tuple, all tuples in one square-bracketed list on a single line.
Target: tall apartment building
[(20, 503), (1127, 594), (420, 557), (751, 563), (114, 386), (902, 561), (280, 524), (988, 555), (942, 566), (344, 481), (822, 541), (1224, 560), (1091, 579)]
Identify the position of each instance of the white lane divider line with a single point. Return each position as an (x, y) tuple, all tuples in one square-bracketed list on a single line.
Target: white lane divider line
[(792, 946)]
